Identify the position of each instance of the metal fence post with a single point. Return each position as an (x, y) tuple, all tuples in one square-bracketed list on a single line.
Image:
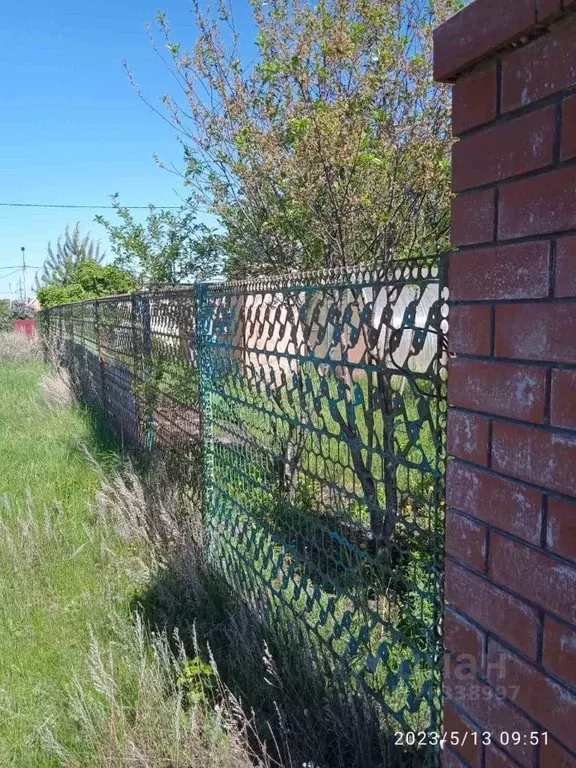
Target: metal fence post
[(203, 330), (147, 368), (69, 323), (137, 374), (84, 350), (100, 358), (60, 336), (47, 340)]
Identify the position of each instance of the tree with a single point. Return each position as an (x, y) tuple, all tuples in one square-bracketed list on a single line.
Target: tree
[(88, 280), (169, 247), (6, 319), (332, 148), (71, 249)]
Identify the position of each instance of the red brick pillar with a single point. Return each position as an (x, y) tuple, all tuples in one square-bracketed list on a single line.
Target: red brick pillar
[(510, 624)]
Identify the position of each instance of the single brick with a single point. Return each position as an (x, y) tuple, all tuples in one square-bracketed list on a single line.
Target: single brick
[(506, 150), (491, 607), (552, 755), (544, 66), (542, 699), (466, 540), (568, 147), (535, 455), (496, 715), (544, 331), (538, 205), (455, 722), (463, 639), (473, 217), (566, 267), (518, 271), (474, 100), (561, 532), (479, 29), (495, 500), (503, 389), (544, 580), (559, 654), (468, 436), (470, 329), (563, 402)]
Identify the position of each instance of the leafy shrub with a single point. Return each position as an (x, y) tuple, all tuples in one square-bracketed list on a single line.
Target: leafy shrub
[(53, 295), (6, 319), (21, 310), (103, 281), (89, 280)]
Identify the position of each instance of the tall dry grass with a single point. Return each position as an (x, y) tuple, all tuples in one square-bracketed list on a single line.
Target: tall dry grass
[(144, 707), (57, 388), (305, 711), (143, 702), (17, 348), (151, 700)]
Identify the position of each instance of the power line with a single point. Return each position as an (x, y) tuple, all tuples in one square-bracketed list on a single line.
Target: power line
[(18, 266), (98, 207)]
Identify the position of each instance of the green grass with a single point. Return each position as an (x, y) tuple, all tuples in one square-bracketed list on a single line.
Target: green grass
[(83, 683), (60, 572)]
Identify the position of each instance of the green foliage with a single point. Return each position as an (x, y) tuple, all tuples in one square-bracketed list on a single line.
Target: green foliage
[(331, 148), (97, 280), (6, 320), (198, 680), (88, 280), (71, 249), (53, 295), (169, 247), (21, 310)]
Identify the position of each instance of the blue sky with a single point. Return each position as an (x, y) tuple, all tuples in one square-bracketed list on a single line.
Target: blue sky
[(72, 129)]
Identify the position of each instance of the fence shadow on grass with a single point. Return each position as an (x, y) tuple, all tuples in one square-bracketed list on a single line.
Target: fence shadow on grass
[(307, 710)]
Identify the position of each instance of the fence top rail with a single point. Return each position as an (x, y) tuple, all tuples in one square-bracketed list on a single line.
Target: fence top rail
[(394, 271)]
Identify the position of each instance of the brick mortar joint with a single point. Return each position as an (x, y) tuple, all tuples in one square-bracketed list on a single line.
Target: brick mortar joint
[(490, 637), (537, 609), (493, 54)]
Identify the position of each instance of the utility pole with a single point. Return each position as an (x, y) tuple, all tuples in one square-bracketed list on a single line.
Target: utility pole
[(20, 288), (24, 270)]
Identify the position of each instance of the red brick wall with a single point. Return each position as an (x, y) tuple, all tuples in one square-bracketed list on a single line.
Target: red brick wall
[(510, 622)]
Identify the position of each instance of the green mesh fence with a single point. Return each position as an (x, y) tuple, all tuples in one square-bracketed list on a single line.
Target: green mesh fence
[(317, 409)]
